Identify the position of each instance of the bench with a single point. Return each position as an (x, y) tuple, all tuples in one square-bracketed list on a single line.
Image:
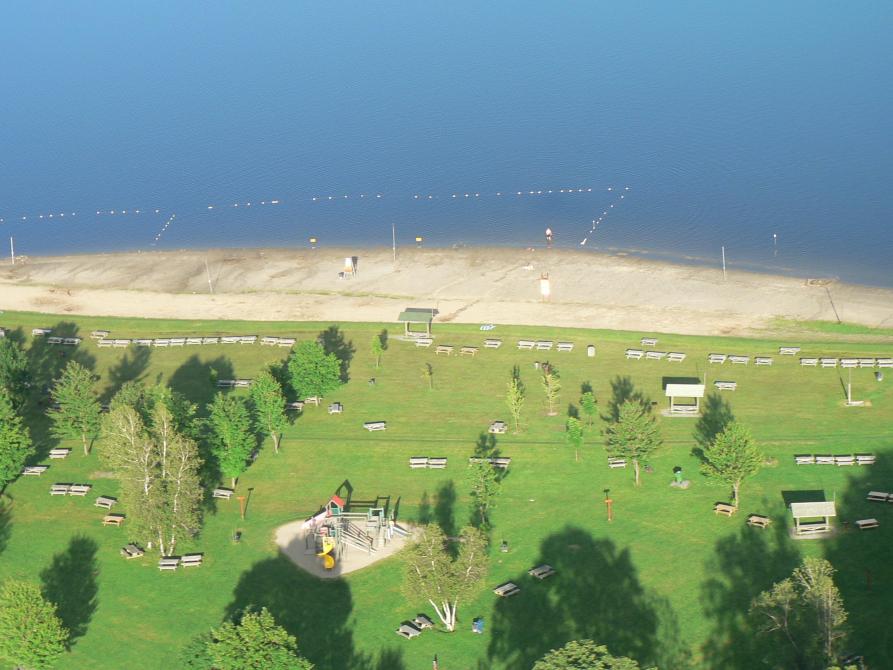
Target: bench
[(169, 563), (424, 342), (161, 342), (60, 489), (191, 560), (877, 496), (634, 354), (526, 344), (716, 358), (131, 551), (142, 343), (286, 341), (502, 463), (437, 463), (210, 340), (492, 344), (804, 459), (616, 463), (468, 351), (34, 470), (223, 493), (544, 345), (675, 357), (443, 349), (813, 528), (724, 508), (79, 489), (248, 339), (507, 590), (866, 362), (190, 341), (269, 341), (178, 341), (684, 409), (866, 524), (849, 362), (296, 406), (54, 340), (242, 383), (105, 343), (565, 347), (71, 341), (336, 408), (38, 332), (739, 360), (408, 631), (230, 339), (312, 399), (497, 428), (105, 502), (99, 334), (809, 362), (762, 360), (828, 362), (541, 571), (226, 383), (885, 362), (725, 386), (758, 520), (648, 341), (422, 622), (655, 355), (864, 459), (788, 351), (824, 459), (375, 425), (418, 462), (120, 344), (844, 460), (113, 519)]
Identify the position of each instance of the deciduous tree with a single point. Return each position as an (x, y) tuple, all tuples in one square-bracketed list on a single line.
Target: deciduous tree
[(551, 382), (231, 439), (573, 434), (32, 636), (428, 375), (588, 404), (377, 349), (15, 441), (445, 582), (313, 372), (256, 641), (268, 406), (78, 411), (584, 655), (732, 457), (15, 375), (484, 485), (634, 435), (514, 399)]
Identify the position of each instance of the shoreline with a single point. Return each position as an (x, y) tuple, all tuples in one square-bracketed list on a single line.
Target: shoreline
[(499, 285)]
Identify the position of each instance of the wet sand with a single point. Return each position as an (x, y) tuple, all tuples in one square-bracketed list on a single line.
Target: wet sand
[(467, 285)]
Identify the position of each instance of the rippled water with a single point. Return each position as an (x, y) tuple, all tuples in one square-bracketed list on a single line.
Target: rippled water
[(729, 124)]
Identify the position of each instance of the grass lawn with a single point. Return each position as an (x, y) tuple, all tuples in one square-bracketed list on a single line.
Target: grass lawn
[(666, 582)]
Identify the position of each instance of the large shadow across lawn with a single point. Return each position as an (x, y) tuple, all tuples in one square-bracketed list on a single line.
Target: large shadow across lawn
[(70, 583), (595, 595), (316, 611)]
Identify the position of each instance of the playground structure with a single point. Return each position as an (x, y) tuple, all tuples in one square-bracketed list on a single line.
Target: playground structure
[(343, 525)]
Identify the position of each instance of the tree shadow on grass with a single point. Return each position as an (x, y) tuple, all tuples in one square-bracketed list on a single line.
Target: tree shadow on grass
[(333, 342), (743, 566), (131, 367), (316, 611), (862, 560), (70, 583), (595, 595), (5, 521), (716, 415), (623, 389), (196, 379), (444, 508)]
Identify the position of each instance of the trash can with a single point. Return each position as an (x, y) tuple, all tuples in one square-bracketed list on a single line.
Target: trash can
[(590, 351)]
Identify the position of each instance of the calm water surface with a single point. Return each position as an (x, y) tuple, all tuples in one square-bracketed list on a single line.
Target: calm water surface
[(728, 123)]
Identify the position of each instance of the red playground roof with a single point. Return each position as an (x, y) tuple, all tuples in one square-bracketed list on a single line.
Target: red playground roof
[(337, 500)]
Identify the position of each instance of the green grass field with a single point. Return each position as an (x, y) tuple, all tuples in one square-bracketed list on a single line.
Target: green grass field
[(667, 582)]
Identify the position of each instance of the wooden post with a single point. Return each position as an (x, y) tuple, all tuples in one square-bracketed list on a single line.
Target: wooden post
[(241, 500), (724, 263), (12, 250), (610, 505)]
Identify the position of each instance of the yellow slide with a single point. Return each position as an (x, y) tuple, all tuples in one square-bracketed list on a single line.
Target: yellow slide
[(328, 561)]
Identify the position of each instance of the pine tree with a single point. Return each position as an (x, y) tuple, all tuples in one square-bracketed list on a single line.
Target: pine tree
[(78, 413), (15, 375), (15, 441)]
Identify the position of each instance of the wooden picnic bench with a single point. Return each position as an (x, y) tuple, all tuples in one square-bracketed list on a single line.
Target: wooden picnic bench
[(226, 383), (418, 462), (424, 341), (105, 502), (443, 349), (739, 360), (634, 354), (492, 344), (54, 340), (648, 341), (192, 341), (161, 342), (422, 622), (544, 345), (120, 344), (616, 463), (105, 343), (113, 519), (468, 351), (131, 551), (223, 493), (210, 340), (824, 459), (724, 508), (725, 386), (497, 428), (142, 343), (296, 406), (248, 339), (565, 347), (79, 489), (655, 355), (885, 362), (526, 345), (866, 362), (716, 358), (762, 360), (336, 408), (71, 341), (169, 563), (849, 362), (269, 341), (828, 362), (867, 524), (34, 470), (844, 460), (675, 357), (60, 489), (437, 463), (507, 590), (99, 334), (878, 496), (230, 339), (804, 459), (542, 571), (788, 351), (375, 425), (286, 341), (313, 400), (865, 459), (758, 520), (809, 362), (38, 332), (502, 462), (191, 560), (408, 631)]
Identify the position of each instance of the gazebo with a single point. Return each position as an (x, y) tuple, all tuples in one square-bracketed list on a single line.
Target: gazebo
[(417, 315), (812, 510), (674, 391)]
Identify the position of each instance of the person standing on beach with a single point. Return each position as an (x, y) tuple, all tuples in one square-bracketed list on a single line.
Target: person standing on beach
[(548, 236)]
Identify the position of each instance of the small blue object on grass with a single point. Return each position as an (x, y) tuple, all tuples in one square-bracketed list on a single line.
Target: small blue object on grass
[(477, 626), (488, 326)]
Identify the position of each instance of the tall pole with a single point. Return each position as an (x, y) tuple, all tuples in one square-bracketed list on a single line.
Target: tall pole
[(208, 271), (849, 389), (723, 263), (394, 239), (12, 250)]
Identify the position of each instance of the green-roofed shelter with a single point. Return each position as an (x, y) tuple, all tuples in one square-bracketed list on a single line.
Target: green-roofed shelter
[(414, 316)]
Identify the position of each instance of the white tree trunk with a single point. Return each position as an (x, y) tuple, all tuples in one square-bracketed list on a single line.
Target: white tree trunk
[(636, 469), (276, 439)]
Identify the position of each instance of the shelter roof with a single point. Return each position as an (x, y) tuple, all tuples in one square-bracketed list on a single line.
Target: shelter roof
[(806, 510), (685, 391), (417, 314)]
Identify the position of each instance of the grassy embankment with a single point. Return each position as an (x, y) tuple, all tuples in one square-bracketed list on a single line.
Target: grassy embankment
[(666, 579)]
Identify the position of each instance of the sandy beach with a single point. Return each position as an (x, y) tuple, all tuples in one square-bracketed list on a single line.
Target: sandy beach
[(467, 285)]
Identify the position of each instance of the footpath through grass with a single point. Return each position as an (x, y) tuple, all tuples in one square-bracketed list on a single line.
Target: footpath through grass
[(666, 582)]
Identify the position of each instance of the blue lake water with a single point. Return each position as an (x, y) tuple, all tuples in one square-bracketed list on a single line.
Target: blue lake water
[(728, 123)]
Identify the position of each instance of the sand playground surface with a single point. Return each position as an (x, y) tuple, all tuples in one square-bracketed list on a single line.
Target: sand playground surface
[(291, 540), (467, 285)]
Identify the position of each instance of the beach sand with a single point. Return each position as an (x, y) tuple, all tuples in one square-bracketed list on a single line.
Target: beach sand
[(467, 285)]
